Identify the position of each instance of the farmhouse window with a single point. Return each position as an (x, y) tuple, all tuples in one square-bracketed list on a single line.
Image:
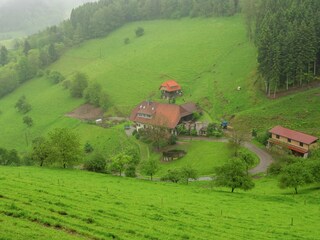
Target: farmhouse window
[(301, 144), (289, 140), (277, 136)]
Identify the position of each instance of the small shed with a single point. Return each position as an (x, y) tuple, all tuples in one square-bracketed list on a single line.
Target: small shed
[(170, 89)]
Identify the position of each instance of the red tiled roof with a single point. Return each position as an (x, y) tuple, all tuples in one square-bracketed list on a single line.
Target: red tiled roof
[(162, 114), (294, 135), (170, 86)]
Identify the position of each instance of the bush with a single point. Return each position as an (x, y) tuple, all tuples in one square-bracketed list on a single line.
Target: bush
[(139, 32), (131, 171), (263, 138), (172, 140), (88, 148), (126, 40), (55, 77), (96, 163), (193, 132), (9, 157), (173, 175)]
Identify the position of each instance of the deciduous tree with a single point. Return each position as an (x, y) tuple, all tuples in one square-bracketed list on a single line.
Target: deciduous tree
[(233, 175), (295, 175), (150, 167), (65, 146)]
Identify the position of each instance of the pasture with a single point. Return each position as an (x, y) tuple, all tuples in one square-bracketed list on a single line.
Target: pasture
[(40, 203)]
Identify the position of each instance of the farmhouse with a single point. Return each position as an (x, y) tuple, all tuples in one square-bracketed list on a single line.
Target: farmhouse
[(170, 89), (161, 114), (299, 143)]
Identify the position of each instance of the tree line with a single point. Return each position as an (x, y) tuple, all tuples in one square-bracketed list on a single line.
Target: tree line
[(287, 36)]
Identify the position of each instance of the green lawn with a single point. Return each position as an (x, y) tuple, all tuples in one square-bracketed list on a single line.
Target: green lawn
[(72, 204), (201, 156)]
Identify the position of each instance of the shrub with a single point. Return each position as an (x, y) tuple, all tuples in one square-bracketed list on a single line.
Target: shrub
[(131, 171), (172, 140), (263, 138), (88, 148), (139, 32), (96, 163), (55, 77), (173, 175), (126, 40)]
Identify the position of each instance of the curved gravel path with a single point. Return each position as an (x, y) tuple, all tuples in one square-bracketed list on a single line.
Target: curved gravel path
[(265, 158)]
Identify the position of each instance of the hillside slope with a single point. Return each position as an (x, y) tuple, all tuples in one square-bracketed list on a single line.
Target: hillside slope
[(209, 57), (69, 204)]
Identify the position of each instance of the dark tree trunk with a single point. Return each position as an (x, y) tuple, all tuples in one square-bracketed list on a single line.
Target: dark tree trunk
[(64, 165), (232, 189), (296, 190)]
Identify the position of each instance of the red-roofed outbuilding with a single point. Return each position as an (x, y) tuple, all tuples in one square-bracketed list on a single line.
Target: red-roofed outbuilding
[(170, 89), (298, 142)]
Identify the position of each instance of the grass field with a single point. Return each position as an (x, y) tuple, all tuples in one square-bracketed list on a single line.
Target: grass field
[(70, 204), (201, 156)]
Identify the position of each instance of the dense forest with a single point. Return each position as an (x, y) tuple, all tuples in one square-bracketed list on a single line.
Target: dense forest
[(287, 36)]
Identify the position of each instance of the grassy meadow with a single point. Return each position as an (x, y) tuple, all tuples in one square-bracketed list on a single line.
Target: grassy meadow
[(72, 204), (201, 156), (208, 57)]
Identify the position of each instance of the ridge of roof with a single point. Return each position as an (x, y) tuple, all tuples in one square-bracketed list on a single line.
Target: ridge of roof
[(293, 134)]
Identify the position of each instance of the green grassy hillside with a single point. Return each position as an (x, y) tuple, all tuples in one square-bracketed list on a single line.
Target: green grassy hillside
[(196, 52), (69, 204), (208, 57)]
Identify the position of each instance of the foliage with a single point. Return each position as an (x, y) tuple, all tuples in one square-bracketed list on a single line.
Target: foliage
[(41, 150), (233, 175), (126, 40), (263, 138), (9, 157), (95, 163), (78, 85), (22, 105), (93, 93), (173, 175), (150, 167), (183, 174), (55, 77), (295, 175), (3, 55), (287, 52), (247, 158), (27, 120), (88, 148), (213, 130), (119, 162), (65, 146), (130, 171), (187, 173), (139, 32), (157, 135)]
